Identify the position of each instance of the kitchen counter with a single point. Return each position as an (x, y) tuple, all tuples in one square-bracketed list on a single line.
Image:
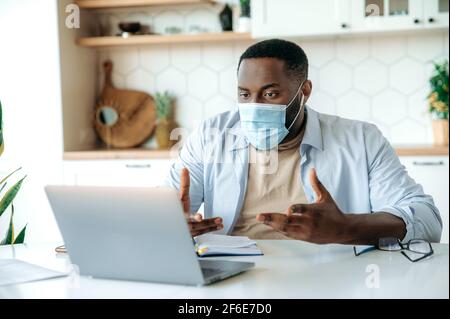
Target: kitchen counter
[(143, 154), (421, 150)]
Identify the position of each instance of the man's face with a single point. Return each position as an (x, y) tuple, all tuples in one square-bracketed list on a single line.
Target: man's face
[(265, 80)]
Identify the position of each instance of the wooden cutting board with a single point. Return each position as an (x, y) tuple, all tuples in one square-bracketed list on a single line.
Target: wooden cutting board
[(135, 118)]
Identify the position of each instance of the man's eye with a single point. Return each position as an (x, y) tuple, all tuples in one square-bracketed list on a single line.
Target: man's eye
[(244, 95), (271, 94)]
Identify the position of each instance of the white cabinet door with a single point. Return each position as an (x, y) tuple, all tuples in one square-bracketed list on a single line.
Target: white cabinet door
[(291, 18), (387, 15), (436, 13), (432, 174), (133, 173)]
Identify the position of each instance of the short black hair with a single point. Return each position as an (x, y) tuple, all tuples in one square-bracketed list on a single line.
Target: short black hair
[(293, 55)]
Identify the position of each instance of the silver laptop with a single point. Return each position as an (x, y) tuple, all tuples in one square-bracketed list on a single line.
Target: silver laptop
[(132, 234)]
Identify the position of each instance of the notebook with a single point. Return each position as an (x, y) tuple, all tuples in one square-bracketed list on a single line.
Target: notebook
[(221, 245)]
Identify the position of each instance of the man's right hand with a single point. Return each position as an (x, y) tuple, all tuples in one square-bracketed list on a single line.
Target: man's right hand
[(197, 225)]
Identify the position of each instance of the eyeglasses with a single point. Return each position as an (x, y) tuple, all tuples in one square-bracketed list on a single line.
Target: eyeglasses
[(414, 250)]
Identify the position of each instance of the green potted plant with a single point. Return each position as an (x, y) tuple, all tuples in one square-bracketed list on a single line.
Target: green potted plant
[(164, 111), (7, 198), (244, 19), (438, 103)]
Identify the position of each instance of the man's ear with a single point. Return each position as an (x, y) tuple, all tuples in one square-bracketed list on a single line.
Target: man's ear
[(307, 89)]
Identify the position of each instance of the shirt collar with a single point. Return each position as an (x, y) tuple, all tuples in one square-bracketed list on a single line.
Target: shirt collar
[(313, 130)]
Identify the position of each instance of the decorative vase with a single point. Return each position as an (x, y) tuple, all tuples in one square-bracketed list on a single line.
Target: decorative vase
[(245, 24), (163, 130), (440, 132), (226, 18)]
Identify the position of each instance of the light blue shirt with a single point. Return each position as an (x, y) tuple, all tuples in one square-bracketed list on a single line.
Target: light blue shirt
[(355, 163)]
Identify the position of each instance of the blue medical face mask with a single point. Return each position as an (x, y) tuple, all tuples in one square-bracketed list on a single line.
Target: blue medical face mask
[(264, 125)]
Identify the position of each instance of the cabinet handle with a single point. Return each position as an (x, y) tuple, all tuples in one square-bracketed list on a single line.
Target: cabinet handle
[(344, 26), (431, 20), (441, 163), (138, 166), (416, 21)]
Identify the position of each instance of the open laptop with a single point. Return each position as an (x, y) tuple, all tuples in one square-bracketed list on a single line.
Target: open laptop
[(132, 234)]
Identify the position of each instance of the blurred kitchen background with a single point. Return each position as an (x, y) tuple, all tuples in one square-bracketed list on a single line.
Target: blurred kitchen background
[(371, 60)]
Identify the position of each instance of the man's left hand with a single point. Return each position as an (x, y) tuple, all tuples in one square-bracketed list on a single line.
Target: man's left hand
[(321, 223)]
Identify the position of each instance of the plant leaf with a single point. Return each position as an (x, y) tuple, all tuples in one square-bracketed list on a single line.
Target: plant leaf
[(20, 239), (1, 116), (4, 179), (2, 146), (9, 196), (8, 240)]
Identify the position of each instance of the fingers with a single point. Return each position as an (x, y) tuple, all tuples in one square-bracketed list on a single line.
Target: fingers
[(298, 209), (279, 221), (184, 189), (195, 233), (271, 217), (321, 192), (205, 223), (204, 226), (293, 225), (287, 227)]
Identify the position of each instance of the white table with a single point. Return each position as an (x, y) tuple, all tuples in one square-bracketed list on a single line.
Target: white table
[(289, 269)]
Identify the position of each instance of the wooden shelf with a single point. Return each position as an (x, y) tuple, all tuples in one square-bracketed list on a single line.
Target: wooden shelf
[(421, 150), (129, 154), (109, 4), (145, 154), (99, 42)]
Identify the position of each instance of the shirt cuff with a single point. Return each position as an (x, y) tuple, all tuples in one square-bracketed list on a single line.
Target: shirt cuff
[(407, 219)]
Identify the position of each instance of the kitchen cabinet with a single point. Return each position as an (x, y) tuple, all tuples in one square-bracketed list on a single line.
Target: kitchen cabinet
[(384, 15), (120, 173), (297, 18), (436, 13), (432, 172), (273, 18)]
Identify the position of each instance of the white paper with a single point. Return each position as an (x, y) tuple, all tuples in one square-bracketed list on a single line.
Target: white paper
[(212, 244), (14, 271), (214, 240)]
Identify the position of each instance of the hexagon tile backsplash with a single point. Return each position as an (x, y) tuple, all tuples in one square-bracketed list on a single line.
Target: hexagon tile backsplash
[(382, 79)]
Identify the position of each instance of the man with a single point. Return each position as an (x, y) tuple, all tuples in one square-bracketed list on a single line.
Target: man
[(335, 180)]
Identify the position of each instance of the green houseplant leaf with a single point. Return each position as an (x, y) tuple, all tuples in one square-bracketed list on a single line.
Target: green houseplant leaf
[(20, 239), (4, 179), (439, 97), (3, 187), (163, 105), (2, 146), (9, 238), (9, 196)]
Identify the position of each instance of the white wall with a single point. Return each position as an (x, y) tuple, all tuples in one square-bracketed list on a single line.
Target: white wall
[(30, 94)]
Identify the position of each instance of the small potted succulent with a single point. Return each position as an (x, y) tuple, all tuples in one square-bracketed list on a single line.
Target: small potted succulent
[(164, 110), (244, 20), (438, 103)]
